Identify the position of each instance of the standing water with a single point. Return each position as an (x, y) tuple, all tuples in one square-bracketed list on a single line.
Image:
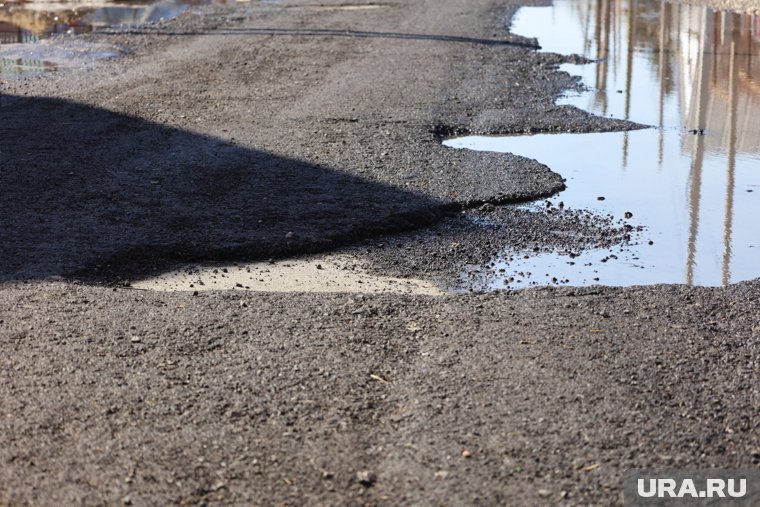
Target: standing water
[(694, 181), (28, 22)]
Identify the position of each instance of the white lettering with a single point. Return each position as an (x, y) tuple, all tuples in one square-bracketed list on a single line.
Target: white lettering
[(666, 486), (715, 487), (643, 493), (688, 488), (732, 491)]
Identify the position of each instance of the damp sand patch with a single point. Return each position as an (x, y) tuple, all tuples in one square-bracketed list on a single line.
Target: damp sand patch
[(322, 274)]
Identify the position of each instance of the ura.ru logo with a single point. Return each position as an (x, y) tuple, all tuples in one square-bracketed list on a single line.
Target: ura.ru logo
[(688, 488)]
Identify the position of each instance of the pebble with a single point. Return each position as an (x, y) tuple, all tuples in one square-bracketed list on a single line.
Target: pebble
[(135, 339), (366, 478)]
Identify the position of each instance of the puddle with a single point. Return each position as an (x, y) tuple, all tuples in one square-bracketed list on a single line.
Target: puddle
[(28, 23), (324, 274), (51, 55), (694, 181), (18, 66)]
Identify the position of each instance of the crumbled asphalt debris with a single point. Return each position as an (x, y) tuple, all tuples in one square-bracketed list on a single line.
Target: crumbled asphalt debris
[(477, 237)]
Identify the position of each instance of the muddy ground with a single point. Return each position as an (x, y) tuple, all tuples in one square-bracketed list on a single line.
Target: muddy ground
[(272, 129)]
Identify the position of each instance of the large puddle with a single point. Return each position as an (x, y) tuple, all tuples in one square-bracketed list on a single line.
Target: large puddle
[(26, 23), (694, 181)]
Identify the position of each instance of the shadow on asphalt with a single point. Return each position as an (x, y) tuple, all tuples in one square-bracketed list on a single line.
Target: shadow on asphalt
[(99, 196)]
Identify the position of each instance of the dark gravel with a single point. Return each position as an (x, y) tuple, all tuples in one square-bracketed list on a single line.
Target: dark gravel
[(286, 399), (458, 251)]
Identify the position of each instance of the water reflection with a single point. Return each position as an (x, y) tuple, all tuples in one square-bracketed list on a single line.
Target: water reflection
[(694, 181), (29, 21), (692, 57), (10, 66)]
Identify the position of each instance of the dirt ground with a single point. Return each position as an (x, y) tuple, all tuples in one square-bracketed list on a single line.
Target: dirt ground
[(270, 129)]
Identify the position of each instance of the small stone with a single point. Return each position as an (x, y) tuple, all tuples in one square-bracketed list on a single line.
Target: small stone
[(544, 492), (319, 266), (466, 454), (600, 198), (366, 478), (441, 474), (628, 214), (290, 235), (135, 339)]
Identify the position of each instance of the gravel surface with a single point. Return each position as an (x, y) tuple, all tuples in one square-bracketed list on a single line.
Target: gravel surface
[(735, 5), (527, 398), (268, 129)]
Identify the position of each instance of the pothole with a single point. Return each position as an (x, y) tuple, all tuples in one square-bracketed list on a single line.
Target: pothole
[(694, 181)]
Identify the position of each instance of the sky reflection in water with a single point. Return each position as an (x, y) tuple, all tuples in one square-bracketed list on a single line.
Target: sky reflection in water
[(681, 68)]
